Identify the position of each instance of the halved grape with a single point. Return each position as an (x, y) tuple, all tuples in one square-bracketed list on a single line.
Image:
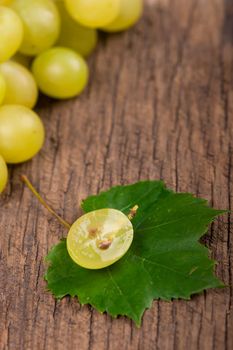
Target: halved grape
[(3, 174), (21, 87), (60, 72), (93, 13), (130, 12), (75, 36), (41, 24), (21, 133), (2, 88), (11, 33), (99, 238)]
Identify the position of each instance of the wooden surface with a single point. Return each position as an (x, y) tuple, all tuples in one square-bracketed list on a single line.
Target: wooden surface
[(159, 105)]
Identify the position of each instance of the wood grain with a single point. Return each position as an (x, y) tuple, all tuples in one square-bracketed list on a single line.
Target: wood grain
[(159, 105)]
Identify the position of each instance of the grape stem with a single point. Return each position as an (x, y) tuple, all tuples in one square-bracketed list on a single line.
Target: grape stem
[(43, 202), (133, 212)]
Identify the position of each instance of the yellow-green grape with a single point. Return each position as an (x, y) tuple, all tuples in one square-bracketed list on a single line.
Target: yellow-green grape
[(5, 2), (22, 59), (3, 174), (93, 13), (2, 88), (130, 12), (99, 238), (75, 36), (21, 133), (60, 72), (11, 33), (41, 24), (21, 87)]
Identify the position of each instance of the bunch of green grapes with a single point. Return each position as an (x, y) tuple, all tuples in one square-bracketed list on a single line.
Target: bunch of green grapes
[(43, 47), (53, 37)]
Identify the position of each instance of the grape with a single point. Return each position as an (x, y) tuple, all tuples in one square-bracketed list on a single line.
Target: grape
[(11, 33), (93, 13), (41, 24), (60, 72), (21, 87), (5, 2), (21, 133), (130, 12), (2, 88), (75, 36), (3, 174), (99, 238)]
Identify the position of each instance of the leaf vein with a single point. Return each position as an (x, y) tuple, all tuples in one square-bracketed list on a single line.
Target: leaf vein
[(138, 200), (122, 294), (168, 222), (170, 269)]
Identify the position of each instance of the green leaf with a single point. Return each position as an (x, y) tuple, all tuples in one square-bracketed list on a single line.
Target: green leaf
[(165, 261)]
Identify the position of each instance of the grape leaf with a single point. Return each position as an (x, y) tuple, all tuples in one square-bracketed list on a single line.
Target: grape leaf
[(165, 261)]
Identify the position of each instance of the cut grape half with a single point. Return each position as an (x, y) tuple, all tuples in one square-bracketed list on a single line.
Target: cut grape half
[(99, 238)]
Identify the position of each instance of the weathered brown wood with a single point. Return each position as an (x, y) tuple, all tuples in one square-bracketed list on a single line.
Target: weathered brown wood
[(159, 105)]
